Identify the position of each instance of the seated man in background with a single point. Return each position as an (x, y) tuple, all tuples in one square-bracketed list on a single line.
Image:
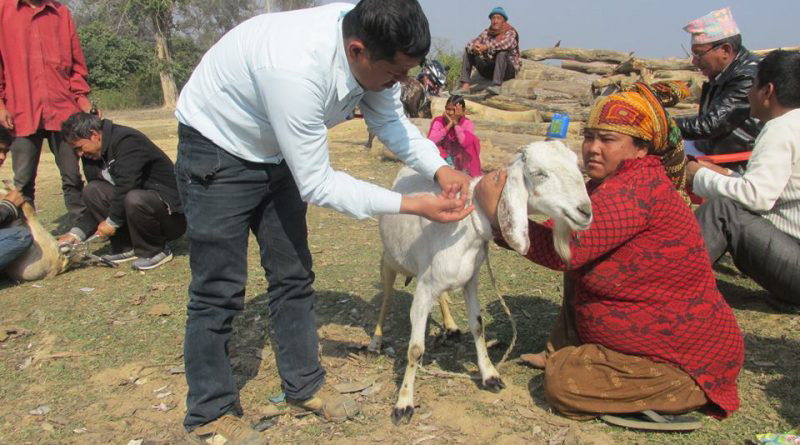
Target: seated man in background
[(723, 123), (756, 216), (131, 196), (14, 241), (494, 53)]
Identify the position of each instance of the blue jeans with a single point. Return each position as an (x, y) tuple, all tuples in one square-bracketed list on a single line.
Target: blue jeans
[(224, 198), (14, 241)]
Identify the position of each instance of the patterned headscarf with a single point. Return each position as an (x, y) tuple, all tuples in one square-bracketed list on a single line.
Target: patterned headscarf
[(638, 112)]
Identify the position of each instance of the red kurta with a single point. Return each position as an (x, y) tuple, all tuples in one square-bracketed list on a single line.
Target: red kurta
[(644, 284), (42, 68)]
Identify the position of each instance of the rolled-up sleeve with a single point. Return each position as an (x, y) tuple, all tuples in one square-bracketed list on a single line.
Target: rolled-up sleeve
[(384, 114), (295, 106)]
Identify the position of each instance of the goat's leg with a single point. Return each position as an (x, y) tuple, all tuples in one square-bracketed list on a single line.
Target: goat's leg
[(388, 276), (420, 309), (368, 144), (489, 375), (450, 327)]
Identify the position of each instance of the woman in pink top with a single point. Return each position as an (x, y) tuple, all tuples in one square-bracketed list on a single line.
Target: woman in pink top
[(454, 134)]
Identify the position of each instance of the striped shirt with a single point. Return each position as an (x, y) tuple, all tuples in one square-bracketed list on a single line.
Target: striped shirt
[(770, 185)]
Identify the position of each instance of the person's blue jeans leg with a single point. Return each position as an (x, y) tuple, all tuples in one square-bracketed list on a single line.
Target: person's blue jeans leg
[(14, 241), (224, 197), (283, 237)]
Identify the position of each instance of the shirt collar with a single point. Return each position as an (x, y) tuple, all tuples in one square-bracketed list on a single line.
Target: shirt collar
[(45, 4), (346, 82)]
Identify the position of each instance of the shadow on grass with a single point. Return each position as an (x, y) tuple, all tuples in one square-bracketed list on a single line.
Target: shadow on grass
[(776, 359)]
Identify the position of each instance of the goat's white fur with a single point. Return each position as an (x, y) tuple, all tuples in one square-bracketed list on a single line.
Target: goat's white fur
[(544, 178)]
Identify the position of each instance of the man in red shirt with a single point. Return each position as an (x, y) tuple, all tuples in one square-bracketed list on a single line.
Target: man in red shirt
[(42, 82)]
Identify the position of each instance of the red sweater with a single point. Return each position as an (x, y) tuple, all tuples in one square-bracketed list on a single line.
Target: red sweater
[(643, 281), (42, 68)]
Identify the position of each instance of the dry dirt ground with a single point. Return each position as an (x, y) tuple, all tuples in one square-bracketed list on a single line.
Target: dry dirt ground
[(95, 355)]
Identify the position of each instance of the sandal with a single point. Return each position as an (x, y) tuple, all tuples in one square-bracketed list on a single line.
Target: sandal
[(652, 421)]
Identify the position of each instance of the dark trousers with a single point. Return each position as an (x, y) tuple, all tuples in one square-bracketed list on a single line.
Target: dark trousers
[(14, 241), (224, 198), (26, 152), (148, 225), (767, 255), (498, 69)]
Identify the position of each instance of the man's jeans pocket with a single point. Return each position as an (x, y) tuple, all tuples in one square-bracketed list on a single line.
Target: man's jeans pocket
[(199, 159)]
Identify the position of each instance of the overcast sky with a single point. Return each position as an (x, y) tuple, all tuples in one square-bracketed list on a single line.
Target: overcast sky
[(648, 27)]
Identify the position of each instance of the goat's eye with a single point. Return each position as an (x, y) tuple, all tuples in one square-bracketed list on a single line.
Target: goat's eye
[(540, 174)]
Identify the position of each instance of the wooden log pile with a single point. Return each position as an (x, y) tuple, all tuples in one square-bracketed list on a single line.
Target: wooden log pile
[(583, 75)]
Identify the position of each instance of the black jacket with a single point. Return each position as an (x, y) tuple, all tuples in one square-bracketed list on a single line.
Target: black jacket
[(724, 125), (134, 162)]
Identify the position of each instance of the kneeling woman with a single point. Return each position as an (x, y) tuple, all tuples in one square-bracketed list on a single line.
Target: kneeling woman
[(643, 327)]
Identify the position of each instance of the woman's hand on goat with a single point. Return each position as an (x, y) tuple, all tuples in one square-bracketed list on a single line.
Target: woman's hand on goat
[(445, 208), (488, 191)]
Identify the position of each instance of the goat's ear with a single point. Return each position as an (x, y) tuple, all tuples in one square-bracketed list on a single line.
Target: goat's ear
[(512, 210)]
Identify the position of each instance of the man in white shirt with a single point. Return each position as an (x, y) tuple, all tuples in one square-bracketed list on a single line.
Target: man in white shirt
[(253, 150), (756, 216)]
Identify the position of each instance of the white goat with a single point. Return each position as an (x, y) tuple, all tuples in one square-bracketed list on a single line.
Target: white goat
[(544, 178)]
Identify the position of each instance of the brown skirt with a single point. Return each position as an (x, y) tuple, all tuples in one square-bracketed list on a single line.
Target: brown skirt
[(583, 381)]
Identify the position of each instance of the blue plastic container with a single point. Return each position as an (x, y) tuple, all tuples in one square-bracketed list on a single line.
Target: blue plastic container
[(558, 126)]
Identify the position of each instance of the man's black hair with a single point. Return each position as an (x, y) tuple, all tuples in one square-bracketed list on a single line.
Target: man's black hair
[(389, 26), (782, 69), (80, 126), (5, 137)]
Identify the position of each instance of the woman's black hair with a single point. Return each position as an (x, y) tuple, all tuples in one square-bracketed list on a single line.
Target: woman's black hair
[(456, 99), (389, 26), (5, 137)]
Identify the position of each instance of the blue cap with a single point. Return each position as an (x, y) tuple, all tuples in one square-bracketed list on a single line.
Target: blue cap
[(499, 10)]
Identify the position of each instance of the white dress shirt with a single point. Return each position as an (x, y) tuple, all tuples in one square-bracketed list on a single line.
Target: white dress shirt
[(272, 86), (770, 185)]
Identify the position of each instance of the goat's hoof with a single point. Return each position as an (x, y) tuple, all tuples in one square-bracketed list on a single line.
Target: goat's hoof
[(494, 384), (402, 415), (454, 335)]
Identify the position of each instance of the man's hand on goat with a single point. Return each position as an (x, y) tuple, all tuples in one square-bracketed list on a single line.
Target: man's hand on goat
[(488, 191), (14, 197), (445, 208), (447, 177), (105, 230)]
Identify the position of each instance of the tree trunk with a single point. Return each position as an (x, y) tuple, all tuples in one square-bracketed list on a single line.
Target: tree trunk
[(161, 25), (588, 67), (578, 54)]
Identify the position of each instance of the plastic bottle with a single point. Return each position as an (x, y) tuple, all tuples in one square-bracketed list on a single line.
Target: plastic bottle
[(558, 126)]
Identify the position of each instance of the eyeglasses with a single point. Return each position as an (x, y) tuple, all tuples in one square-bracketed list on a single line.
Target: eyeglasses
[(703, 53)]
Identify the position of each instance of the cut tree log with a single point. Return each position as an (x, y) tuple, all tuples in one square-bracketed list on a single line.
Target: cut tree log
[(764, 52), (600, 68), (577, 54), (477, 111), (576, 111), (537, 129)]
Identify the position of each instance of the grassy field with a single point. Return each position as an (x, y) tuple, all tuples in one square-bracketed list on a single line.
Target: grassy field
[(95, 355)]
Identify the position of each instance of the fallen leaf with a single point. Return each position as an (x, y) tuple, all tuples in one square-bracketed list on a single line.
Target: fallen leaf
[(120, 274), (40, 411), (424, 439), (163, 394), (25, 363), (48, 427), (158, 287), (135, 442), (86, 289), (346, 388), (177, 370), (526, 413), (374, 389), (38, 286), (79, 430), (764, 364), (559, 437), (160, 310)]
